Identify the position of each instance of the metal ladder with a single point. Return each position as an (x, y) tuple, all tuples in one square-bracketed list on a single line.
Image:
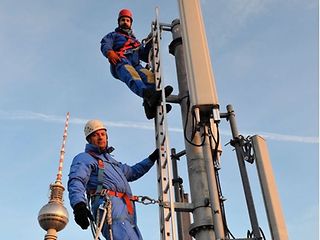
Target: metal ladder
[(164, 166)]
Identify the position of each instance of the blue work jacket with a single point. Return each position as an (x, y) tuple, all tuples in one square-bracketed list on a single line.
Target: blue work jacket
[(115, 41), (83, 177)]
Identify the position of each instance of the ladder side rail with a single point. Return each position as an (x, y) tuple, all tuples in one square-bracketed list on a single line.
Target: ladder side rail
[(161, 168), (162, 139)]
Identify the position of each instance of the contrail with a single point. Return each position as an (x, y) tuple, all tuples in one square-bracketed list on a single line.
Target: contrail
[(28, 115)]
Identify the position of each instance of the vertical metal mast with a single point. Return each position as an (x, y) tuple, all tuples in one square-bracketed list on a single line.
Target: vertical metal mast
[(164, 167), (202, 226), (53, 216), (243, 172), (203, 99)]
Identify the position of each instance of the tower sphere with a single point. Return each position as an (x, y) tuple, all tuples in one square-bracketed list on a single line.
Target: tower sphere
[(53, 216)]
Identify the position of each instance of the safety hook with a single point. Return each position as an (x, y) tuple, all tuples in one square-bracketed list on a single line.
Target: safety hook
[(146, 200)]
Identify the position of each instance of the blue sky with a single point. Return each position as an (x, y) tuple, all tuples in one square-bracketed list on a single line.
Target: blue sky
[(265, 60)]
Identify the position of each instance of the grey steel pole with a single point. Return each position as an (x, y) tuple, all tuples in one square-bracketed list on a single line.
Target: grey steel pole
[(202, 227), (243, 172), (176, 190), (183, 218), (212, 184)]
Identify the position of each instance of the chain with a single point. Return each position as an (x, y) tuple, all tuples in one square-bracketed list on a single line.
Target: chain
[(145, 200)]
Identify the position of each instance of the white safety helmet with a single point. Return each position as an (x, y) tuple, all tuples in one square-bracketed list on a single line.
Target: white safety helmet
[(92, 126)]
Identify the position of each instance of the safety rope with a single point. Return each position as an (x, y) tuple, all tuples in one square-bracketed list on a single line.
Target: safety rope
[(106, 207)]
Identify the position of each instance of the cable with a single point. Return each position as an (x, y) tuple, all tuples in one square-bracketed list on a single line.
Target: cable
[(263, 236), (92, 223), (193, 127), (250, 234), (215, 158)]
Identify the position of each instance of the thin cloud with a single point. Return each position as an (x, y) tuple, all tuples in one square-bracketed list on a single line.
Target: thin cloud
[(287, 138), (27, 115)]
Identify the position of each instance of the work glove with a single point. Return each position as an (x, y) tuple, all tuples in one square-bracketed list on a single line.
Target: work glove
[(113, 57), (154, 156), (81, 215)]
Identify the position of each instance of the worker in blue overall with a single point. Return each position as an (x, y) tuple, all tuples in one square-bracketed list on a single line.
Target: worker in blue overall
[(124, 53), (96, 176)]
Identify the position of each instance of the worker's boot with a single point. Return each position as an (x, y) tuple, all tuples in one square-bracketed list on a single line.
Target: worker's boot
[(153, 97), (168, 107), (168, 90), (151, 112)]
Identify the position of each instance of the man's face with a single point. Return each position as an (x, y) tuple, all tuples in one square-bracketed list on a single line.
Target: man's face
[(99, 138), (125, 22)]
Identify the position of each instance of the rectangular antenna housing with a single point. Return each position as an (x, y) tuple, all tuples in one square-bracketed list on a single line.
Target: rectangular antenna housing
[(269, 189), (200, 76)]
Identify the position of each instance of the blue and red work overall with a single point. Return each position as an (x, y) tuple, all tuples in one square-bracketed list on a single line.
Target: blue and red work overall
[(83, 178), (128, 69)]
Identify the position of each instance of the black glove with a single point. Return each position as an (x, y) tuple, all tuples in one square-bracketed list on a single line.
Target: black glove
[(81, 214), (155, 155)]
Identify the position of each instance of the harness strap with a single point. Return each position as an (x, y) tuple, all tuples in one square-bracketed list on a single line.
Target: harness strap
[(100, 171), (129, 44), (101, 192), (127, 199)]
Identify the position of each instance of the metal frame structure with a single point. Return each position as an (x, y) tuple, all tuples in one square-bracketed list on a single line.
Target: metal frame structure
[(203, 150), (164, 167), (200, 118)]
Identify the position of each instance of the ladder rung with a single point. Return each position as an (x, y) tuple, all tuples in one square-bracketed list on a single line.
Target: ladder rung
[(156, 38), (159, 84), (167, 218), (159, 135), (156, 55), (163, 140), (165, 162), (166, 188), (162, 119)]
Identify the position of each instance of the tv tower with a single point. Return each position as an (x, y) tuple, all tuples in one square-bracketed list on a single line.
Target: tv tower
[(53, 216)]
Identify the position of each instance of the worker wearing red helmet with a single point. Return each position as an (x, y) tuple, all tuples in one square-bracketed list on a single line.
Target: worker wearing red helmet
[(124, 53)]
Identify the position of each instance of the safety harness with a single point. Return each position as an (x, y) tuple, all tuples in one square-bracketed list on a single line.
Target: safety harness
[(130, 44), (100, 191)]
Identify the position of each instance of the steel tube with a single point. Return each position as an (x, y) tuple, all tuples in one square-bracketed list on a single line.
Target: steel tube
[(202, 217), (243, 173)]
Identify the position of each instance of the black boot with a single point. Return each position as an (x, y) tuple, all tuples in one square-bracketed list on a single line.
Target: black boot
[(168, 90), (149, 111), (168, 107), (151, 96)]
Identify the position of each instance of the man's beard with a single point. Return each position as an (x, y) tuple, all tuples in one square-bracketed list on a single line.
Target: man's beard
[(125, 26)]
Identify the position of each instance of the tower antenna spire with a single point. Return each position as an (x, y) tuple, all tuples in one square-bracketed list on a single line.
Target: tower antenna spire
[(62, 151), (53, 216)]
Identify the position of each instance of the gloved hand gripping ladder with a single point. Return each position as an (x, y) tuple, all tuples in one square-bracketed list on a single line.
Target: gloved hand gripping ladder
[(164, 166)]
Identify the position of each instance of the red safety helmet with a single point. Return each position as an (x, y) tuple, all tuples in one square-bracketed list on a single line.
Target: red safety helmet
[(125, 13)]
